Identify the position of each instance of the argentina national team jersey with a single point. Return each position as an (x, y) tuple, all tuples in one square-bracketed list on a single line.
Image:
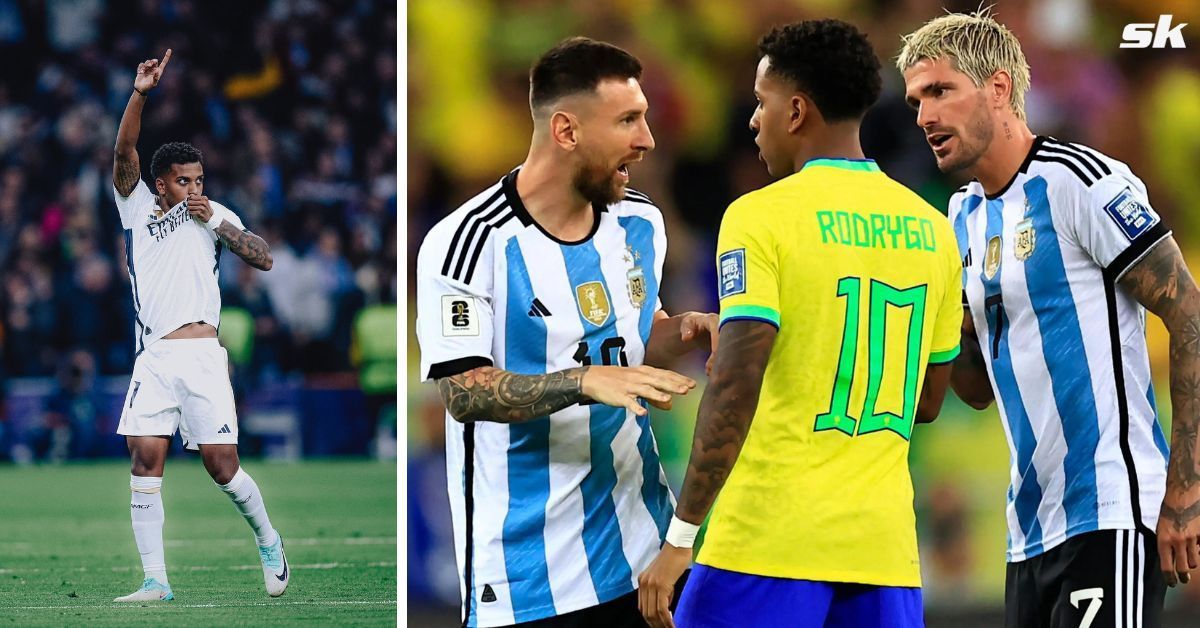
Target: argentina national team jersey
[(562, 512), (1064, 344)]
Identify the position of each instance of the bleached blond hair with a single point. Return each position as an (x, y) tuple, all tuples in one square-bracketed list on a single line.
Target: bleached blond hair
[(976, 45)]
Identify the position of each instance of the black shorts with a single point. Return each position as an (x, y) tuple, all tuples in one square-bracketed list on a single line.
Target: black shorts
[(1102, 579), (619, 613)]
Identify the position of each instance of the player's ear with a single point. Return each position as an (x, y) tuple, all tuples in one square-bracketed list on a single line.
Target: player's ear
[(564, 130), (799, 109), (999, 87), (160, 186)]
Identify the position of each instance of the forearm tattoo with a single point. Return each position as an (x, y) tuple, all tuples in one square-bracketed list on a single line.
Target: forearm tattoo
[(492, 394), (1161, 282), (126, 172), (246, 245), (726, 411)]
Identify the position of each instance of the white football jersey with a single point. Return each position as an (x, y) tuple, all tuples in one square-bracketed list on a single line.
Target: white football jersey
[(1064, 344), (173, 265), (562, 512)]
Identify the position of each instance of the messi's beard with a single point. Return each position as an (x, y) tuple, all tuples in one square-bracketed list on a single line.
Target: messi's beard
[(596, 184)]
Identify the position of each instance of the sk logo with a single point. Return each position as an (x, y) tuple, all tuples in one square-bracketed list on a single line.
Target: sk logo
[(593, 302)]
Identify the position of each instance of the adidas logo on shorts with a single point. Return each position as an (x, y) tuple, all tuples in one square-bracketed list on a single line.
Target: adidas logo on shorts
[(224, 429)]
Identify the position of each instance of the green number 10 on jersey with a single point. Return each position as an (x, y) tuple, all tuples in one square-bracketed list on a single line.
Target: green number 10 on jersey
[(884, 301)]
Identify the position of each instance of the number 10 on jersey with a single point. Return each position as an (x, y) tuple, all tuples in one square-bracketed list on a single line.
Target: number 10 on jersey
[(882, 296)]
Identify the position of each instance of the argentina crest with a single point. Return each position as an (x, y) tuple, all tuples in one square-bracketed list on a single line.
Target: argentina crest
[(593, 302), (636, 279), (1025, 241)]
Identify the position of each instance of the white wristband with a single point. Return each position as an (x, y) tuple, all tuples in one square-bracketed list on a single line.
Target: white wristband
[(218, 216), (682, 534)]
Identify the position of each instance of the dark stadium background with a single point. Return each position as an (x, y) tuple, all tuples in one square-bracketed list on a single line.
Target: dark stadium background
[(468, 124), (294, 104)]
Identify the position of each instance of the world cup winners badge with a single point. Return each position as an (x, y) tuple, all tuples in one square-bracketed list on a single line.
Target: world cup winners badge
[(991, 258), (593, 302)]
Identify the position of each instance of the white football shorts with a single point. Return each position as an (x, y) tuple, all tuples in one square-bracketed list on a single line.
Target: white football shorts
[(181, 385)]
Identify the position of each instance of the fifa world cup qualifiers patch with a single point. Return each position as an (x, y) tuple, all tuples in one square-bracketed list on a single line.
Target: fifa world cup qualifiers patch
[(460, 317), (1132, 217), (733, 272)]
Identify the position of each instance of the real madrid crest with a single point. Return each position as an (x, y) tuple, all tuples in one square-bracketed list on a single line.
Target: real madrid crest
[(1025, 241), (991, 260), (593, 302)]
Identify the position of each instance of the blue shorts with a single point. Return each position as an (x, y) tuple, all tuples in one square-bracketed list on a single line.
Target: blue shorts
[(715, 598)]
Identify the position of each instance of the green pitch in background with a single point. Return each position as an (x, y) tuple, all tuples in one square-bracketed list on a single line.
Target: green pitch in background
[(66, 549)]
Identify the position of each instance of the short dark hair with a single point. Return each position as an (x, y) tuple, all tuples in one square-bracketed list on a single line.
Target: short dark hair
[(578, 64), (829, 60), (173, 153)]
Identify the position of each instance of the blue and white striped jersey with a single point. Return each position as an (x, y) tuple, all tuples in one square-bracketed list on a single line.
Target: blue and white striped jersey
[(559, 513), (1065, 345)]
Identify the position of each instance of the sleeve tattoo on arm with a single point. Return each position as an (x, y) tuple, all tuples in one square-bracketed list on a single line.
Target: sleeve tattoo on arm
[(246, 245), (492, 394), (726, 411), (126, 172), (1161, 282)]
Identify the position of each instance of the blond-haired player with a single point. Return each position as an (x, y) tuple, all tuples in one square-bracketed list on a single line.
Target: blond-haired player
[(1062, 254)]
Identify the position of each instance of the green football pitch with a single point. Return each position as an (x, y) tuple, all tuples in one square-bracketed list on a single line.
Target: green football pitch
[(67, 549)]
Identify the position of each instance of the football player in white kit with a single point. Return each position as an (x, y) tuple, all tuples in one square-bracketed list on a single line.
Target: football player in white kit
[(173, 242), (1063, 254)]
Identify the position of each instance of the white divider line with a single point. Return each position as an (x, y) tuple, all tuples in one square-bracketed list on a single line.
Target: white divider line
[(141, 607)]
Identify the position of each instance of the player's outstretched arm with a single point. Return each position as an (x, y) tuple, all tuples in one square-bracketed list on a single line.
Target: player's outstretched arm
[(1161, 282), (722, 424), (671, 337), (969, 377), (127, 167), (491, 394), (933, 392)]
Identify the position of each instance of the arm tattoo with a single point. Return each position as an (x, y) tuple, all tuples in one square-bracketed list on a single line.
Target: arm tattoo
[(726, 411), (246, 245), (1180, 518), (1161, 282), (126, 172), (491, 394)]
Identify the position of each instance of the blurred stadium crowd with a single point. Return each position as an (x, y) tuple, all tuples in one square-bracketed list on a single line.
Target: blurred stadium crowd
[(293, 104), (469, 124)]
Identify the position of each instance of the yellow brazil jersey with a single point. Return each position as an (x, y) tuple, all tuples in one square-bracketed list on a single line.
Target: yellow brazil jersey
[(864, 282)]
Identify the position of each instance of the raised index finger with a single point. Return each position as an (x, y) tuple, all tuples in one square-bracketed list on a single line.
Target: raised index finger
[(166, 57)]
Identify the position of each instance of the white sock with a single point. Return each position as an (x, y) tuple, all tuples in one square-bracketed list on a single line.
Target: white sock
[(146, 511), (248, 501)]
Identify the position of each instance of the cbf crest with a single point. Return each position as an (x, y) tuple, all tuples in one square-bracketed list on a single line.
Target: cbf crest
[(593, 302)]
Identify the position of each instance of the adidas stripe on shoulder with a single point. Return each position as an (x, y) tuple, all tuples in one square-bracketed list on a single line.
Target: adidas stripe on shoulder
[(472, 233), (1086, 165), (634, 196)]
